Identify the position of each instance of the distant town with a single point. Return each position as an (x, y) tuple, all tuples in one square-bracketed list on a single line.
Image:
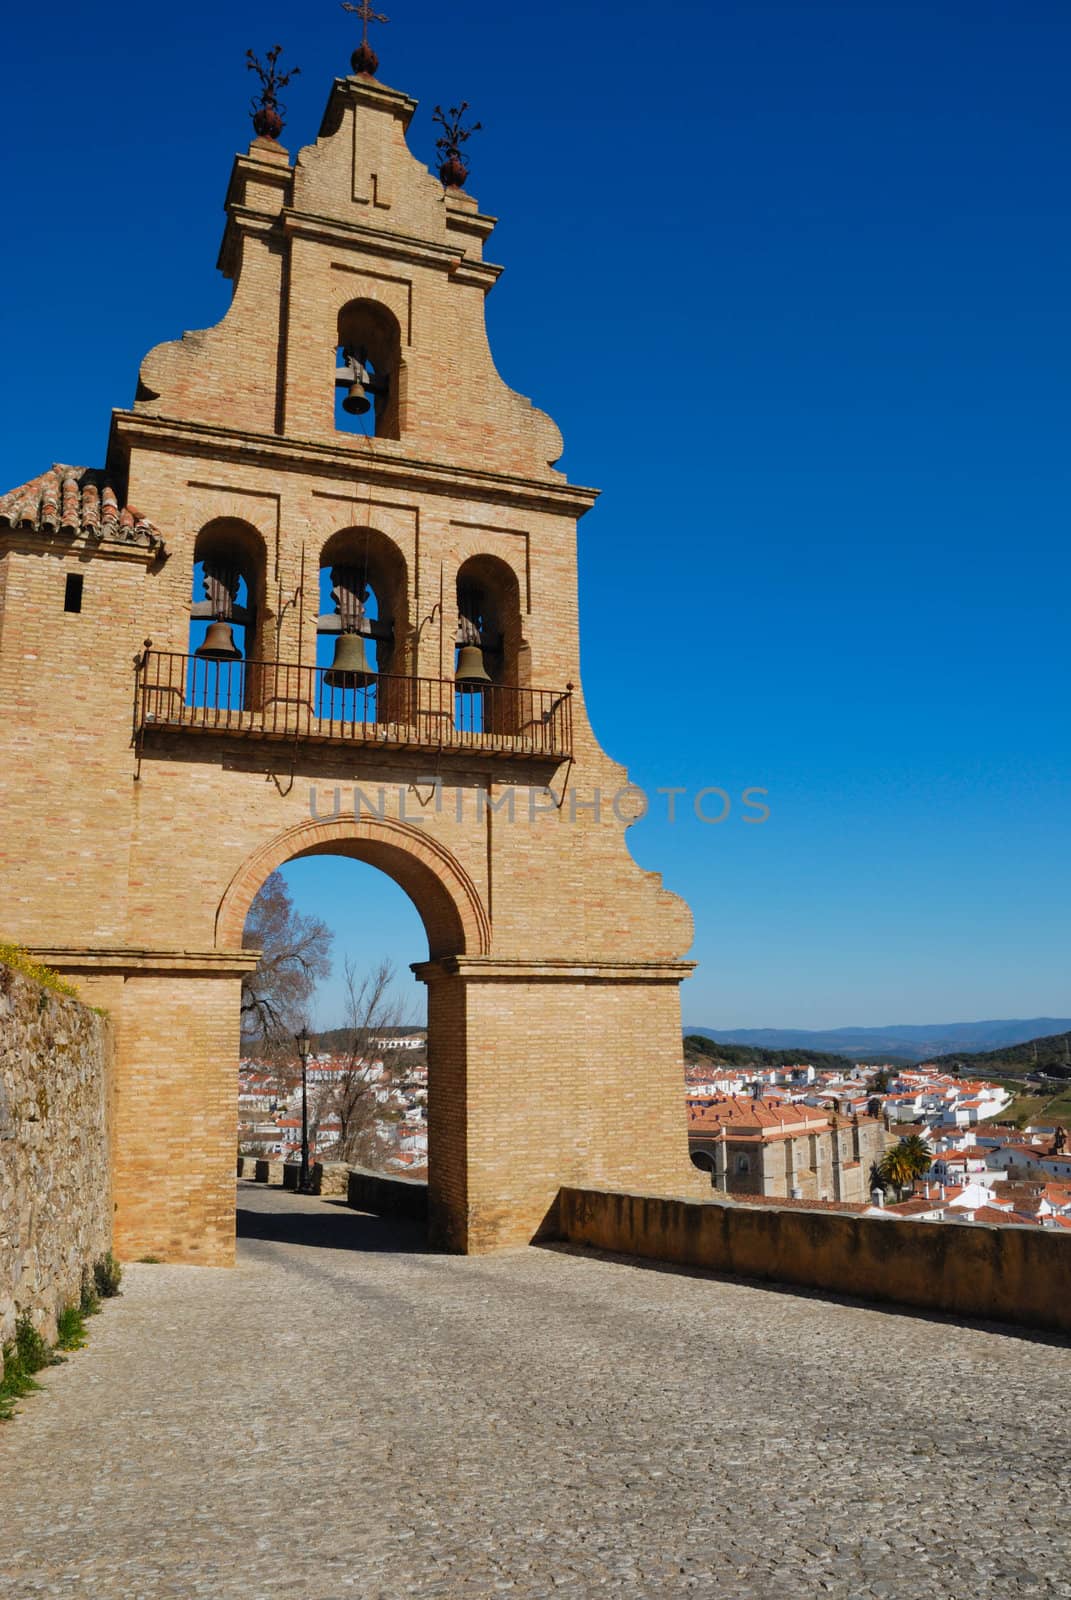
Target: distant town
[(384, 1089), (919, 1143)]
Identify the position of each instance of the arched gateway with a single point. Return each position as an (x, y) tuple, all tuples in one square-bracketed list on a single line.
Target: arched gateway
[(454, 917), (172, 733)]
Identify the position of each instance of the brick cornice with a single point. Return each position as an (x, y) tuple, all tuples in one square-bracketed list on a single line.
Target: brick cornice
[(379, 241), (191, 963), (360, 90), (495, 969), (373, 465), (382, 242), (28, 542)]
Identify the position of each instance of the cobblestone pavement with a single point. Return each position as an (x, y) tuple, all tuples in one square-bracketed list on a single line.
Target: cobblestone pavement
[(345, 1417)]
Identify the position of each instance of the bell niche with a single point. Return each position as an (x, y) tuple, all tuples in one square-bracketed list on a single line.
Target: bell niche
[(368, 371), (351, 665), (225, 613)]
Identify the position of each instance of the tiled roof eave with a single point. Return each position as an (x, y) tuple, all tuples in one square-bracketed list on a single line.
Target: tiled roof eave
[(78, 503)]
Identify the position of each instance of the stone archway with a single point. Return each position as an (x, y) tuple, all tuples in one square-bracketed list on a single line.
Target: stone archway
[(450, 907), (457, 927)]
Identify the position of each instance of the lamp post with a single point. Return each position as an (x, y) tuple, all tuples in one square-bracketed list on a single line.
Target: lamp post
[(304, 1046)]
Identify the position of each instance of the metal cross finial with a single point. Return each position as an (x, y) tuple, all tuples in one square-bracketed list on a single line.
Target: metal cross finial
[(366, 14)]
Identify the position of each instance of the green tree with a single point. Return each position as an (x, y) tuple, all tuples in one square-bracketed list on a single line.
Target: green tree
[(917, 1154), (893, 1170), (904, 1162)]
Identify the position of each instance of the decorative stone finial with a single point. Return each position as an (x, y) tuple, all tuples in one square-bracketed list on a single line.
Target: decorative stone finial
[(364, 59), (452, 168), (268, 112)]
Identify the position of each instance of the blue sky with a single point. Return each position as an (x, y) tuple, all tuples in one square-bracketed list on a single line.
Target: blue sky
[(793, 281)]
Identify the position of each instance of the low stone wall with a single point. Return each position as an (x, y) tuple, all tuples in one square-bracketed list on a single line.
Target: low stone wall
[(396, 1197), (331, 1179), (55, 1188), (1020, 1275), (267, 1171)]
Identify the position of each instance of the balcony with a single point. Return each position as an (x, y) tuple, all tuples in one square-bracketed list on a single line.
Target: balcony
[(270, 700)]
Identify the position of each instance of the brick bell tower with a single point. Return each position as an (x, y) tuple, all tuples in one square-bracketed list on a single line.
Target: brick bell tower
[(342, 620)]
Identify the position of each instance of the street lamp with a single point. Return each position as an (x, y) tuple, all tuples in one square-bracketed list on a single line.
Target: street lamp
[(304, 1046)]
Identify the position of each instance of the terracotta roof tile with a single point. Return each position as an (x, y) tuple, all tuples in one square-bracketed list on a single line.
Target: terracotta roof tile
[(1003, 1219), (78, 501)]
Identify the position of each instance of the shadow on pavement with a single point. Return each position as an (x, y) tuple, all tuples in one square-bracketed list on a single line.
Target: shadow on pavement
[(336, 1229)]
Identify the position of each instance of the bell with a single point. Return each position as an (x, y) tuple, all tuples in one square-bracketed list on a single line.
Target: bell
[(357, 401), (219, 644), (471, 672), (351, 668)]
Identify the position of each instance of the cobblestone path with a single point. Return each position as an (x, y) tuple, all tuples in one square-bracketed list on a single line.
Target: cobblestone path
[(347, 1416)]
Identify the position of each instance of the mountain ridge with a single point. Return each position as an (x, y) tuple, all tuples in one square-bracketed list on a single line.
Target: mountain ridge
[(910, 1041)]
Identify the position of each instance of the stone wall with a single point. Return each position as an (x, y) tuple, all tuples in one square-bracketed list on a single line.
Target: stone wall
[(1008, 1274), (55, 1193), (331, 1179), (385, 1197)]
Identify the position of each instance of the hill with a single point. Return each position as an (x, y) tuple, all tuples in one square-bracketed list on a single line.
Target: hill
[(701, 1047), (1050, 1055), (904, 1043)]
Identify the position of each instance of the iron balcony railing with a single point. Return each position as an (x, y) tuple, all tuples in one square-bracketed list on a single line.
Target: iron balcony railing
[(272, 700)]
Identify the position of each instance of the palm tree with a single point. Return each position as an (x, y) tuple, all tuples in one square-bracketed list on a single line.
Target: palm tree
[(894, 1169), (904, 1162), (917, 1154)]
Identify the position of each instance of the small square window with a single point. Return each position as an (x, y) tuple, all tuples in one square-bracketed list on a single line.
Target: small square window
[(72, 598)]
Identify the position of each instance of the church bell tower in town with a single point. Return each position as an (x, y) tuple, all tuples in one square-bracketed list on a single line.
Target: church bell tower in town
[(322, 600)]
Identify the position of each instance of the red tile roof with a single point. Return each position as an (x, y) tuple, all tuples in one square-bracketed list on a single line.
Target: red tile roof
[(79, 501), (916, 1207), (1003, 1219)]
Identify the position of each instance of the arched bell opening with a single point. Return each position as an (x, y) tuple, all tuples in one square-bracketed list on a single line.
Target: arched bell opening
[(492, 660), (227, 609), (362, 629), (369, 373)]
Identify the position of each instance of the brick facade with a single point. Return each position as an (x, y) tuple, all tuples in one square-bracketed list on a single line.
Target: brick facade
[(133, 849)]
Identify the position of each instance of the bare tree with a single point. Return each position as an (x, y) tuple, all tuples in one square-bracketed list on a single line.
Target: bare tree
[(295, 955), (368, 1070)]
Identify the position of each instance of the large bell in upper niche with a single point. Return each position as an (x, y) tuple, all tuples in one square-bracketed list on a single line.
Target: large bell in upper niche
[(357, 402), (351, 668)]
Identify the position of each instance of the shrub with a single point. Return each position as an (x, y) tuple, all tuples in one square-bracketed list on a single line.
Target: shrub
[(71, 1328), (89, 1304), (14, 1384), (26, 1354), (19, 960), (31, 1350), (107, 1275)]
